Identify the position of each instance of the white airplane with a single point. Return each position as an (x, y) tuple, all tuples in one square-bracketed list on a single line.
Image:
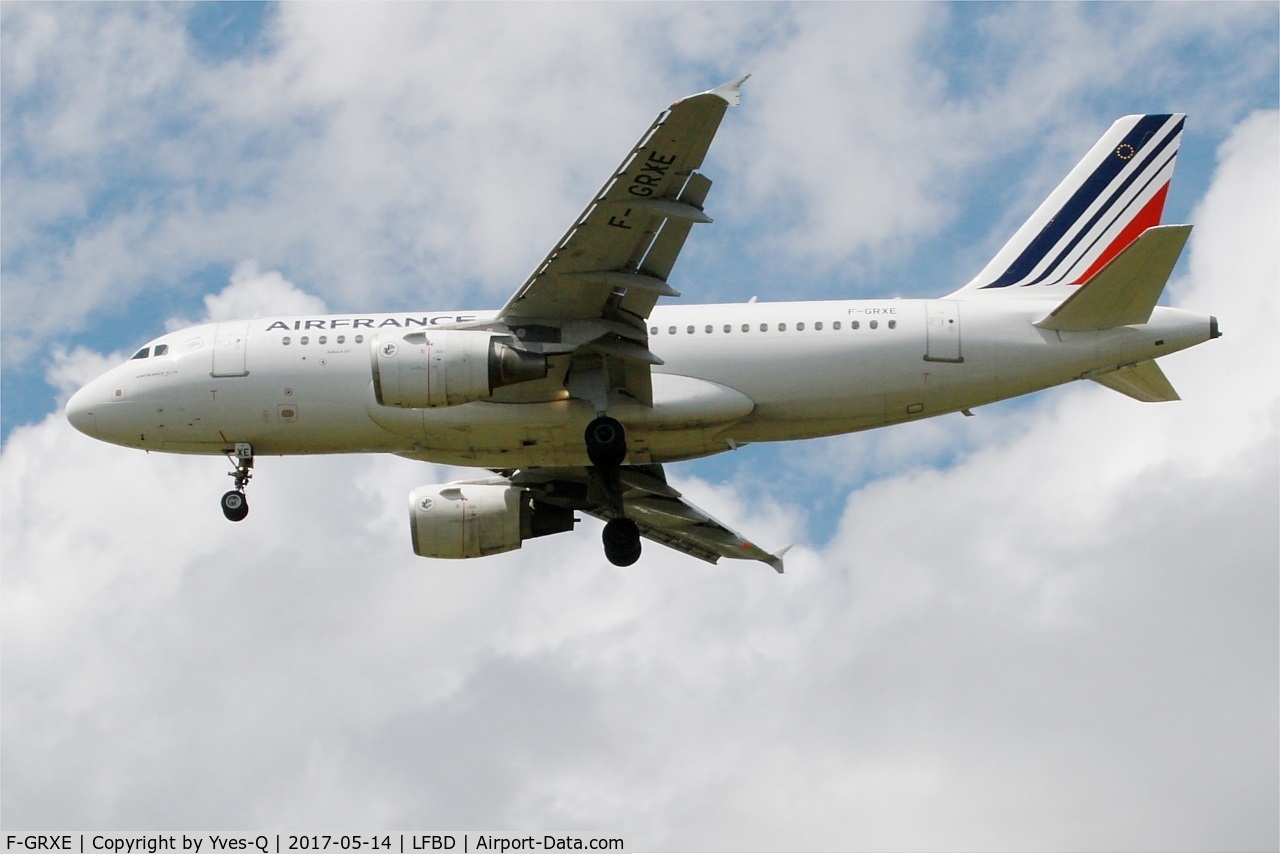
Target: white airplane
[(578, 390)]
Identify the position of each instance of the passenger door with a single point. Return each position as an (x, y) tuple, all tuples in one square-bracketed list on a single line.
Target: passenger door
[(229, 350)]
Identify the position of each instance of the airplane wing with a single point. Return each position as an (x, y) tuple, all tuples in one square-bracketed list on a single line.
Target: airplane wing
[(593, 293), (661, 512)]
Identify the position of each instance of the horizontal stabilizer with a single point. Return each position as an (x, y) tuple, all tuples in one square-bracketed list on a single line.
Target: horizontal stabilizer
[(1143, 381), (1126, 290)]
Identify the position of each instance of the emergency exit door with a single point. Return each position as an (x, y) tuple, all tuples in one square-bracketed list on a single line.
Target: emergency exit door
[(943, 331)]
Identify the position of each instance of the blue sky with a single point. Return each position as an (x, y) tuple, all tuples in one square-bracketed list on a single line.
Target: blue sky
[(966, 620), (165, 170)]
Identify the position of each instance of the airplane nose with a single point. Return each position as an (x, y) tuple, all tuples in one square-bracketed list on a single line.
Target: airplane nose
[(80, 412)]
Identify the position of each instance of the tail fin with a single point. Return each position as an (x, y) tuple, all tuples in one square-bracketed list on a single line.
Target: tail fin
[(1111, 197)]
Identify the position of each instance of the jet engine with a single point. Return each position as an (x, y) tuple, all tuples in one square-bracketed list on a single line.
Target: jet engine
[(447, 367), (475, 519)]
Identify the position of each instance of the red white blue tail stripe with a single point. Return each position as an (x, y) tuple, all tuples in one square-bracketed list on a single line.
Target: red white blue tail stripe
[(1114, 194)]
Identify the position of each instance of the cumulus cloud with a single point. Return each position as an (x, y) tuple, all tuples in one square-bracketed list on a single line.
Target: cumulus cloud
[(254, 293), (69, 370), (856, 156), (1065, 637), (1050, 626)]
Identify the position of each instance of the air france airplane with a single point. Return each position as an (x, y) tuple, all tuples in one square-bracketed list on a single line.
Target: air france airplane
[(580, 389)]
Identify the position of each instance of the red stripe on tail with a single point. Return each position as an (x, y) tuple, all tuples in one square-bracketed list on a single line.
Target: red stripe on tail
[(1148, 217)]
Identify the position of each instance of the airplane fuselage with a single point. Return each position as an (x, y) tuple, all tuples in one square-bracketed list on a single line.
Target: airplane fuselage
[(732, 374)]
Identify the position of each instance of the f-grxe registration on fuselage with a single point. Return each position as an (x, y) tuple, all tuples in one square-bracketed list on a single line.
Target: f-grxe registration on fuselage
[(580, 389)]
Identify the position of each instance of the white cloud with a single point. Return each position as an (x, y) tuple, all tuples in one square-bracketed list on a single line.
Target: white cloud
[(69, 371), (855, 154), (1047, 627), (1066, 638), (254, 293)]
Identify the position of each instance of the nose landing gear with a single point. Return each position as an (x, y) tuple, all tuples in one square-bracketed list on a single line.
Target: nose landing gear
[(234, 504)]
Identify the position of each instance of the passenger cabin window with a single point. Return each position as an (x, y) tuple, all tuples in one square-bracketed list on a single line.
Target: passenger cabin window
[(142, 354)]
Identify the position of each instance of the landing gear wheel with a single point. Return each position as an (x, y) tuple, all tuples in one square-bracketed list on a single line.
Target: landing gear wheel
[(234, 506), (606, 442), (621, 542)]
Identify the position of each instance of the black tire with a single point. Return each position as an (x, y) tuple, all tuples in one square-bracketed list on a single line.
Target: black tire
[(235, 506), (606, 441), (621, 542)]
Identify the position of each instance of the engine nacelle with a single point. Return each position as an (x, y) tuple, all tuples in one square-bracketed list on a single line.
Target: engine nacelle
[(475, 519), (447, 367)]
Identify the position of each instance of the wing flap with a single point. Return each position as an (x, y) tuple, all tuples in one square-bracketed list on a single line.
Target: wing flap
[(627, 281), (661, 257)]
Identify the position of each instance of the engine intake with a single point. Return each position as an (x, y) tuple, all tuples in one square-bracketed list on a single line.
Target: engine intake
[(460, 520), (447, 367)]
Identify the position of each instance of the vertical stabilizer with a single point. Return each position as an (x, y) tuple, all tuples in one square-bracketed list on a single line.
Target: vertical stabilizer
[(1113, 195)]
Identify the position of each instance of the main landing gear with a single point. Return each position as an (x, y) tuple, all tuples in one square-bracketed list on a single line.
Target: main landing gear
[(606, 441), (234, 505), (621, 541)]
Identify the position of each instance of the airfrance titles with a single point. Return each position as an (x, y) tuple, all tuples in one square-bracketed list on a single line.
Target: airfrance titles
[(377, 322)]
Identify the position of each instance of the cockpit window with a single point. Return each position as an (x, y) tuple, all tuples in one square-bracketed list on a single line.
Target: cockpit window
[(142, 354), (161, 349)]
